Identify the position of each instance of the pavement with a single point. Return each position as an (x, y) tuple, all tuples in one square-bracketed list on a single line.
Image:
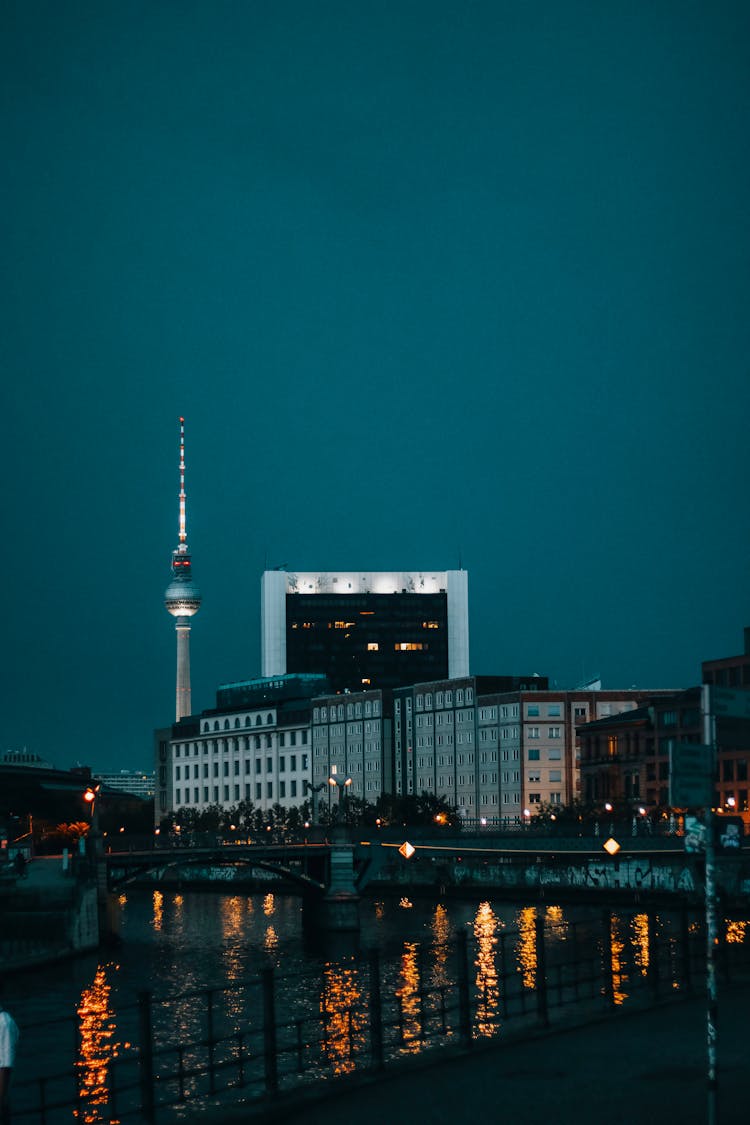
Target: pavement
[(625, 1068)]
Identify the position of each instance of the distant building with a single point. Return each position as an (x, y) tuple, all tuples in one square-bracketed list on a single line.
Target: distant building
[(366, 630), (729, 671), (352, 739), (625, 757), (732, 735), (497, 747), (25, 758), (254, 745), (135, 782)]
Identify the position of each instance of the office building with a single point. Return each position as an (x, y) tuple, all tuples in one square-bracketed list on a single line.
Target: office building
[(253, 745), (366, 630), (352, 742)]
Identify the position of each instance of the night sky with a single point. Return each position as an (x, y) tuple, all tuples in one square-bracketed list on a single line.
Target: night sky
[(432, 283)]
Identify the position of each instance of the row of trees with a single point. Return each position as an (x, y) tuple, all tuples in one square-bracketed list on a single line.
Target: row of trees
[(244, 819)]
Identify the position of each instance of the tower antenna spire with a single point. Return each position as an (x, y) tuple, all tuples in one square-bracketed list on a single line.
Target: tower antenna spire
[(183, 533)]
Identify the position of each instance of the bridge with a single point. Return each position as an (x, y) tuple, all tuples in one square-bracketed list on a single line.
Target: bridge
[(340, 870)]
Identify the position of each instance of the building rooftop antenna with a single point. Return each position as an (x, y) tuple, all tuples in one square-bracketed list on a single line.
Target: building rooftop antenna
[(183, 534)]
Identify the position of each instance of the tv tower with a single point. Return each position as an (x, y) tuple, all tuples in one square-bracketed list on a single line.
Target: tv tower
[(182, 597)]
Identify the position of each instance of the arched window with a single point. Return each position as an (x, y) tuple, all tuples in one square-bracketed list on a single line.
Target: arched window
[(216, 725), (236, 722), (247, 720), (226, 724), (269, 718), (258, 720)]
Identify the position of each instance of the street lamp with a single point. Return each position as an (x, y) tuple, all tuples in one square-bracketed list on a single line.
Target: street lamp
[(342, 784), (314, 789)]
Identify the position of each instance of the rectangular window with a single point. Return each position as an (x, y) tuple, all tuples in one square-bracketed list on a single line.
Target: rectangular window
[(282, 764), (226, 792), (205, 794), (533, 732), (553, 711), (282, 789), (532, 711), (533, 755), (258, 790), (269, 765), (269, 789), (293, 785), (555, 775)]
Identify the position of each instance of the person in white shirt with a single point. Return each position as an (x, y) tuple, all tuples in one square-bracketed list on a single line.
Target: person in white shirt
[(8, 1040)]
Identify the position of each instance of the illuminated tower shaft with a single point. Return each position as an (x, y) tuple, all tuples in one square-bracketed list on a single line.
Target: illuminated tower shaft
[(182, 597), (183, 703)]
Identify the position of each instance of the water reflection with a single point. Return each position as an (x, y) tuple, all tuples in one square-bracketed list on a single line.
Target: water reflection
[(526, 945), (619, 976), (408, 994), (736, 932), (343, 1020), (441, 945), (640, 927), (97, 1049), (268, 905), (488, 991), (158, 900)]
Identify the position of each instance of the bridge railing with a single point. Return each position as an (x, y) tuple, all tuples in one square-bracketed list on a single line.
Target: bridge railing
[(256, 1040)]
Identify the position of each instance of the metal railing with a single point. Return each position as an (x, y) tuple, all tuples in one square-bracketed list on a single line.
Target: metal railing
[(260, 1038)]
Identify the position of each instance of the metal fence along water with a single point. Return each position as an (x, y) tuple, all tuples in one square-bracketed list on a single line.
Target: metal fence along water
[(261, 1037)]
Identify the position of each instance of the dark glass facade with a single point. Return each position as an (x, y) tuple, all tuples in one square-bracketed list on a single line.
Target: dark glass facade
[(368, 640)]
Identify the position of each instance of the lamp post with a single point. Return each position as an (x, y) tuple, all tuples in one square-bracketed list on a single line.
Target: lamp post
[(314, 790), (342, 784)]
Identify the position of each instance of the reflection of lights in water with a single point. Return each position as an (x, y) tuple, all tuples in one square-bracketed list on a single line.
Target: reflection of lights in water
[(96, 1051), (231, 931), (527, 945), (379, 910), (441, 934), (736, 932), (639, 925), (231, 917), (405, 903), (343, 1017), (408, 994), (619, 976), (270, 940), (268, 905), (123, 900), (158, 899), (555, 922), (488, 992)]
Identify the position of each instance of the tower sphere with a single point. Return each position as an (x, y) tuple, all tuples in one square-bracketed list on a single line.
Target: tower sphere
[(182, 599)]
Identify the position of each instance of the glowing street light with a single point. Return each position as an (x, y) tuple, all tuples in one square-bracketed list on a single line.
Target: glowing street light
[(342, 784)]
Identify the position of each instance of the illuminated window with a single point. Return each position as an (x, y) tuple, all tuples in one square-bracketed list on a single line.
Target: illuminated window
[(373, 646), (430, 625), (409, 646), (612, 745)]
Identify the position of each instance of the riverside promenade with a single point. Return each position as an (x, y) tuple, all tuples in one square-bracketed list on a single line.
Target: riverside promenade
[(627, 1068)]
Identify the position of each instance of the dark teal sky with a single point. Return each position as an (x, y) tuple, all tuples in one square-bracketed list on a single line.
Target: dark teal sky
[(428, 280)]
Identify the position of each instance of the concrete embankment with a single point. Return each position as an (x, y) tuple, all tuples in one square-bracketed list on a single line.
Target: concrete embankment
[(46, 915)]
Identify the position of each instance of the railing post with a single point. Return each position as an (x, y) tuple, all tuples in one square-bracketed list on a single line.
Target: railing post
[(464, 998), (376, 1012), (146, 1056), (210, 1041), (685, 954), (607, 967), (541, 972), (269, 1033), (654, 968)]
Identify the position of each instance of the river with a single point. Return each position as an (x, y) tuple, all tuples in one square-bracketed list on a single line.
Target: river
[(174, 942)]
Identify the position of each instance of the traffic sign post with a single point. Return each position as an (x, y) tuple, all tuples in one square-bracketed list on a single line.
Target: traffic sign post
[(691, 775)]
